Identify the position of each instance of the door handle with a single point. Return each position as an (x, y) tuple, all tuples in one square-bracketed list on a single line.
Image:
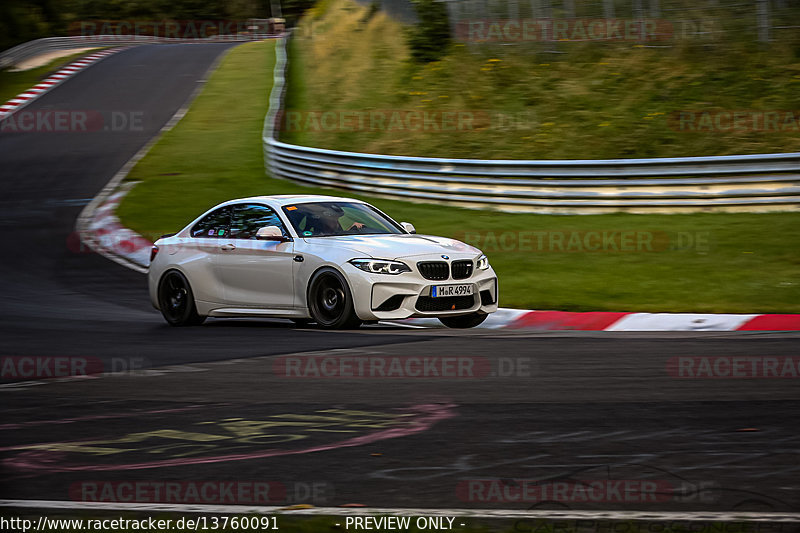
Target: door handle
[(227, 247)]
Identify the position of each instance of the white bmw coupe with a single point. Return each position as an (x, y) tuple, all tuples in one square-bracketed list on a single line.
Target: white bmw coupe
[(338, 262)]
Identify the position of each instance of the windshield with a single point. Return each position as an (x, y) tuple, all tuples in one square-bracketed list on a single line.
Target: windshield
[(328, 219)]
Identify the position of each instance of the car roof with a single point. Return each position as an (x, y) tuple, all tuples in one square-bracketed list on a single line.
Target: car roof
[(275, 201), (291, 199)]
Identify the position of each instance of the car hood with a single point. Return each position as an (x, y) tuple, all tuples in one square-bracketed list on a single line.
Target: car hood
[(396, 246)]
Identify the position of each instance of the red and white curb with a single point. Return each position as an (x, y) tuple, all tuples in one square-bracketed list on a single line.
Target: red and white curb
[(614, 321), (23, 99), (106, 232)]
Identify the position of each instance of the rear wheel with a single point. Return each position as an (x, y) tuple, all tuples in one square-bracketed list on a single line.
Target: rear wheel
[(176, 300), (463, 321), (330, 301)]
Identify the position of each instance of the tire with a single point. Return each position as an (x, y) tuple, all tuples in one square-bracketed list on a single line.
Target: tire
[(330, 301), (176, 300), (463, 321)]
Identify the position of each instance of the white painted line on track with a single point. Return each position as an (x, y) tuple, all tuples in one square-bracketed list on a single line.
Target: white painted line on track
[(652, 516)]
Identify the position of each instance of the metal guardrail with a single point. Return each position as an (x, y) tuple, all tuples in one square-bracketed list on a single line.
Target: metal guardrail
[(14, 56), (740, 183)]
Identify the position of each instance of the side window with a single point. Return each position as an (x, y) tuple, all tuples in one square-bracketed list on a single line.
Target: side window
[(214, 225), (249, 218)]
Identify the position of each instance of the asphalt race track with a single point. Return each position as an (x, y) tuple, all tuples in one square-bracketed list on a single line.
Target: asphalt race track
[(243, 401)]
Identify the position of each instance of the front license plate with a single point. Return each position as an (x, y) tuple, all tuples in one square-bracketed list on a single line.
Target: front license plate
[(442, 291)]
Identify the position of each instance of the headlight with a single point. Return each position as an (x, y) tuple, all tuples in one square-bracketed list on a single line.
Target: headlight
[(482, 263), (380, 266)]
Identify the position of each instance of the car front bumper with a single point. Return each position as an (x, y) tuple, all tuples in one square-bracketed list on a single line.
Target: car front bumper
[(407, 295)]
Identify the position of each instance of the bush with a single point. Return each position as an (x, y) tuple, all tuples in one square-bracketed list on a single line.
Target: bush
[(430, 38)]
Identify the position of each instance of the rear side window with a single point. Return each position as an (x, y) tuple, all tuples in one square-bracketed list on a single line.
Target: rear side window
[(248, 218), (214, 225)]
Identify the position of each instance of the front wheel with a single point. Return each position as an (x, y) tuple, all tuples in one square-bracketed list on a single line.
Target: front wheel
[(330, 301), (176, 300), (463, 321)]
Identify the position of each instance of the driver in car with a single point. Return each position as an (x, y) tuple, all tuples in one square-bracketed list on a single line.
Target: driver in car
[(328, 222)]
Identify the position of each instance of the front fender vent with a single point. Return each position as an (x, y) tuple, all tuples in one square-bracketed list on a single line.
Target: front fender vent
[(393, 303)]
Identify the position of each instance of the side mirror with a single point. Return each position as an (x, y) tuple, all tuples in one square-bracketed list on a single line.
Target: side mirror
[(271, 233), (409, 227)]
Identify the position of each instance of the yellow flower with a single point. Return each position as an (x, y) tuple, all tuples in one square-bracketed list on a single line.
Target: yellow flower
[(494, 61)]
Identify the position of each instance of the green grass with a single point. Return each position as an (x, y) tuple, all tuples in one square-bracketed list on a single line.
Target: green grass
[(14, 83), (591, 100), (751, 263)]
